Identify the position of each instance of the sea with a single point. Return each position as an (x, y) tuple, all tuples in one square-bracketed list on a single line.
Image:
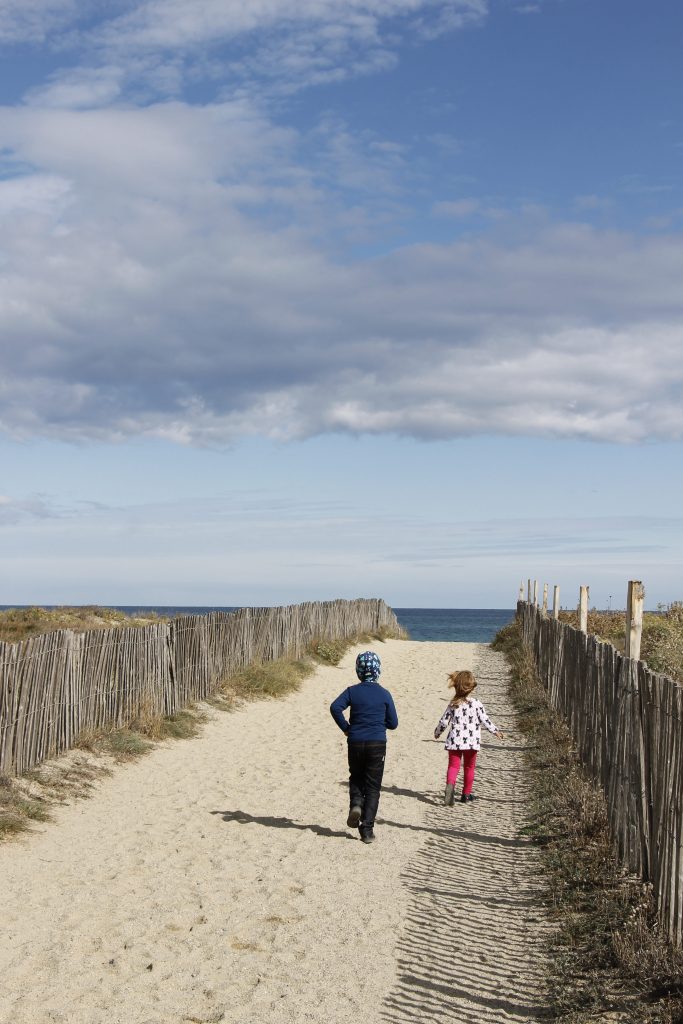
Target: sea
[(467, 625)]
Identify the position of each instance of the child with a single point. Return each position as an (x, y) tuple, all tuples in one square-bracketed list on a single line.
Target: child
[(463, 717), (372, 713)]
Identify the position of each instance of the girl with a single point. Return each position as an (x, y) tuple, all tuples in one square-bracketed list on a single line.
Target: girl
[(463, 716)]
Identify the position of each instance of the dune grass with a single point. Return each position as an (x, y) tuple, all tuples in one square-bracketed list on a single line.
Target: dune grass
[(662, 639), (17, 810), (609, 961), (21, 623)]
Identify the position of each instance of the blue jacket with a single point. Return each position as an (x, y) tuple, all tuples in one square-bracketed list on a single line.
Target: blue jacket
[(372, 712)]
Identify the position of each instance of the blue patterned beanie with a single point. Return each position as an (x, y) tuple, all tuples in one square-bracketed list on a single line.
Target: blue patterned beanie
[(368, 667)]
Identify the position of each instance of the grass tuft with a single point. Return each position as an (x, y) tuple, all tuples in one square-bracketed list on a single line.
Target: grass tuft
[(17, 810), (270, 679), (609, 962)]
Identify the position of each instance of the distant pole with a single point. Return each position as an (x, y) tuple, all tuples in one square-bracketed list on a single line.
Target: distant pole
[(634, 619), (535, 593), (556, 602), (583, 608), (545, 598), (528, 591)]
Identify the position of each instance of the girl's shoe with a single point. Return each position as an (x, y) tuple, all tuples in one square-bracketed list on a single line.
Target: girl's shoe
[(449, 794), (467, 798)]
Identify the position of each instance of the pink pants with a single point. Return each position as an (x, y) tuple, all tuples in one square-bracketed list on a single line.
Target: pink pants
[(470, 759)]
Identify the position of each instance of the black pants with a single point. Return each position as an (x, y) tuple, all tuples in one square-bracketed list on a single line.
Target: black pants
[(366, 768)]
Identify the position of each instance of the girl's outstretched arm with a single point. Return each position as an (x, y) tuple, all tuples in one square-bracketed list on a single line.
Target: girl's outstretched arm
[(484, 720), (443, 722)]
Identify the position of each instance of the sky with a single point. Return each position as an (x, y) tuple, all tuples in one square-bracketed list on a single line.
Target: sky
[(307, 299)]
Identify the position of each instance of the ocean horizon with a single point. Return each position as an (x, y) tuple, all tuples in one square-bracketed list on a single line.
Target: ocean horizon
[(464, 625)]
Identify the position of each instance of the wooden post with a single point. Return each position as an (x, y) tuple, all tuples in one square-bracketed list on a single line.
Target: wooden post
[(556, 602), (521, 591), (535, 593), (529, 593), (545, 599), (634, 619), (583, 609)]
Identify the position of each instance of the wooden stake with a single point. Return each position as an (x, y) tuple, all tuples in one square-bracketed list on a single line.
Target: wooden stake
[(545, 598), (634, 619), (521, 591), (556, 602), (529, 591), (535, 593), (583, 609)]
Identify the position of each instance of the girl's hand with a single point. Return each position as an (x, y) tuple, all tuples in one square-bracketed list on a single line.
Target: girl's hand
[(500, 735)]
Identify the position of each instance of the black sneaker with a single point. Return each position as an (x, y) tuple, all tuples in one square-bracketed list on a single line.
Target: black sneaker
[(467, 798), (367, 837), (354, 817)]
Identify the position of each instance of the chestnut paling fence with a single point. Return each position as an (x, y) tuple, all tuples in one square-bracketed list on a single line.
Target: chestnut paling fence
[(627, 723), (55, 686)]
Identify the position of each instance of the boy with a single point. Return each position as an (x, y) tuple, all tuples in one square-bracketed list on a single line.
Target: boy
[(372, 713)]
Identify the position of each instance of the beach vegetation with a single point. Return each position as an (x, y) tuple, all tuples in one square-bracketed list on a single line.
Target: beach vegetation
[(17, 809), (662, 639), (609, 960), (331, 652), (21, 623)]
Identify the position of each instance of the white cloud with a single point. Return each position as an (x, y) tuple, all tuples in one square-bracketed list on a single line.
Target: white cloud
[(80, 88), (33, 20), (145, 292)]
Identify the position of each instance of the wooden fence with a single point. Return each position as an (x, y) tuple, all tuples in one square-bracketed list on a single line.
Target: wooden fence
[(55, 686), (627, 723)]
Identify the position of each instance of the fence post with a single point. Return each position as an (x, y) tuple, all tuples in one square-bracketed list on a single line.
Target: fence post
[(529, 593), (521, 591), (556, 602), (535, 593), (545, 599), (583, 608), (634, 619)]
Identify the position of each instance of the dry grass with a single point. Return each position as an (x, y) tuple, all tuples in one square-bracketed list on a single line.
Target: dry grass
[(17, 809), (609, 961), (20, 623), (331, 652), (662, 640)]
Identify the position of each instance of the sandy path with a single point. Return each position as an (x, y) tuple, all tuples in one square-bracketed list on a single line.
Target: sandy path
[(215, 880)]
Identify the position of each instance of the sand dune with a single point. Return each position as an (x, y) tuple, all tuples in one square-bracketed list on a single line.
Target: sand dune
[(215, 880)]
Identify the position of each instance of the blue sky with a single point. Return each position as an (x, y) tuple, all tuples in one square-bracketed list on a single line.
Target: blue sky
[(314, 299)]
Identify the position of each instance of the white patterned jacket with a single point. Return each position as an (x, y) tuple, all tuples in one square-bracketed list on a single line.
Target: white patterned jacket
[(464, 725)]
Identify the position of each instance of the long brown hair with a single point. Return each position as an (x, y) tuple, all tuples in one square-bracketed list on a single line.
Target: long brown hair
[(463, 683)]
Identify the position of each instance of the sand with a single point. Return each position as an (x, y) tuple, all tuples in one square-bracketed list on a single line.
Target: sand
[(215, 879)]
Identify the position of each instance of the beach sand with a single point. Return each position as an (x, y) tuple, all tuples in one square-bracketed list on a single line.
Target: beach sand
[(215, 879)]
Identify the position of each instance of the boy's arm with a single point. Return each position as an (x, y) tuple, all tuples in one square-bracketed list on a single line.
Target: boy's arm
[(338, 707), (390, 715)]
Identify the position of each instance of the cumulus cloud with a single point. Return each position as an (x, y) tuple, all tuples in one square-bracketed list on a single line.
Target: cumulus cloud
[(145, 292), (183, 271)]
